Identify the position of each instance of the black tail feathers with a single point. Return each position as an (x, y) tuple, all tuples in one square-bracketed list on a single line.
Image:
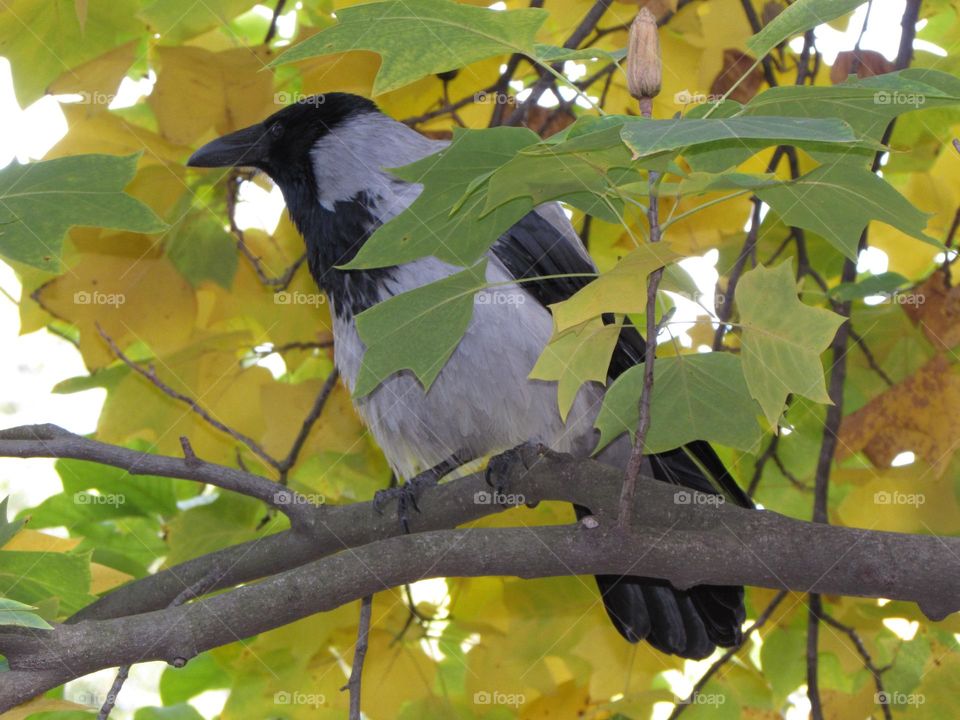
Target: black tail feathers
[(689, 623)]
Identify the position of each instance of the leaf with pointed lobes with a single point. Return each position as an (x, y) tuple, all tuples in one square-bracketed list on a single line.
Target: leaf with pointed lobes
[(782, 339)]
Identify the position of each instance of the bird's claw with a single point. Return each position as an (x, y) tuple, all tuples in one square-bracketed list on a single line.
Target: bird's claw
[(406, 495), (500, 466)]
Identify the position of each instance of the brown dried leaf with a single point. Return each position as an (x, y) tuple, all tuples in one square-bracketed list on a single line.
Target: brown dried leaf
[(918, 414), (936, 310), (868, 63), (735, 65)]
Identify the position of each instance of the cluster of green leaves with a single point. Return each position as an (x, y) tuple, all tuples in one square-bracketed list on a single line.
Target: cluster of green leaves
[(113, 210)]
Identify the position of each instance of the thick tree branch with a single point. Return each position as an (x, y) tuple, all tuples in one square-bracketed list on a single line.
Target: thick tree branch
[(719, 545)]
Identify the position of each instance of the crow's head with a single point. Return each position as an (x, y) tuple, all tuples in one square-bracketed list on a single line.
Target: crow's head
[(281, 145), (330, 155)]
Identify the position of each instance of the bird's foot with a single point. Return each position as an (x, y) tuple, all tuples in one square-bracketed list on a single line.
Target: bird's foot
[(502, 468), (406, 495)]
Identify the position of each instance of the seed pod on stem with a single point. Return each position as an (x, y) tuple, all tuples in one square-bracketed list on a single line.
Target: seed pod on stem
[(644, 67)]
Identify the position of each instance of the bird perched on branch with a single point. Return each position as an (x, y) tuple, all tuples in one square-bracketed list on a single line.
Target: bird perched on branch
[(328, 155)]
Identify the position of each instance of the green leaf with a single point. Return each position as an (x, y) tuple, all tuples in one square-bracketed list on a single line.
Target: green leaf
[(182, 711), (796, 18), (417, 330), (7, 529), (15, 613), (698, 183), (622, 289), (585, 169), (837, 201), (867, 105), (546, 54), (39, 202), (178, 21), (422, 38), (782, 658), (578, 355), (32, 577), (202, 250), (884, 283), (452, 180), (203, 673), (649, 137), (695, 397), (782, 339), (26, 27)]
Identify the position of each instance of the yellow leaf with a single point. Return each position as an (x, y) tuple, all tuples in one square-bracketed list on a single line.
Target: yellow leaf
[(621, 290), (105, 578), (97, 80), (133, 300), (576, 356), (198, 91), (34, 541)]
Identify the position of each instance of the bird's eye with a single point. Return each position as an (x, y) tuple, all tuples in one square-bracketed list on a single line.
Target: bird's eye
[(276, 130)]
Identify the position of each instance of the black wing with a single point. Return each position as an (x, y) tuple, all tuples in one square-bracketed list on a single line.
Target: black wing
[(536, 247)]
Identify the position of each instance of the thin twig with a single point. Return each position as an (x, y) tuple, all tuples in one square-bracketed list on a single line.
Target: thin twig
[(199, 588), (359, 654), (876, 672), (123, 672), (546, 79), (279, 282), (307, 425), (151, 376), (30, 441), (871, 360), (908, 25), (727, 656), (296, 345), (272, 30), (635, 463)]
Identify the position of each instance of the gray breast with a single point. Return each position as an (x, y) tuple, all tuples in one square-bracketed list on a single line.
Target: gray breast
[(482, 401)]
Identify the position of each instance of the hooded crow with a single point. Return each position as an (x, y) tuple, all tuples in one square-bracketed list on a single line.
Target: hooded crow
[(329, 154)]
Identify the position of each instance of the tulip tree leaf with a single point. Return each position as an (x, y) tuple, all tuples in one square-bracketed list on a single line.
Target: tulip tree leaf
[(40, 201), (399, 32), (578, 355), (795, 18), (695, 397), (782, 339), (583, 169), (20, 615), (622, 289), (445, 220), (837, 201), (648, 137), (417, 330)]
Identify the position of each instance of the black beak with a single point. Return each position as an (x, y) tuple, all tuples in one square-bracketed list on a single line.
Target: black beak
[(247, 147)]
